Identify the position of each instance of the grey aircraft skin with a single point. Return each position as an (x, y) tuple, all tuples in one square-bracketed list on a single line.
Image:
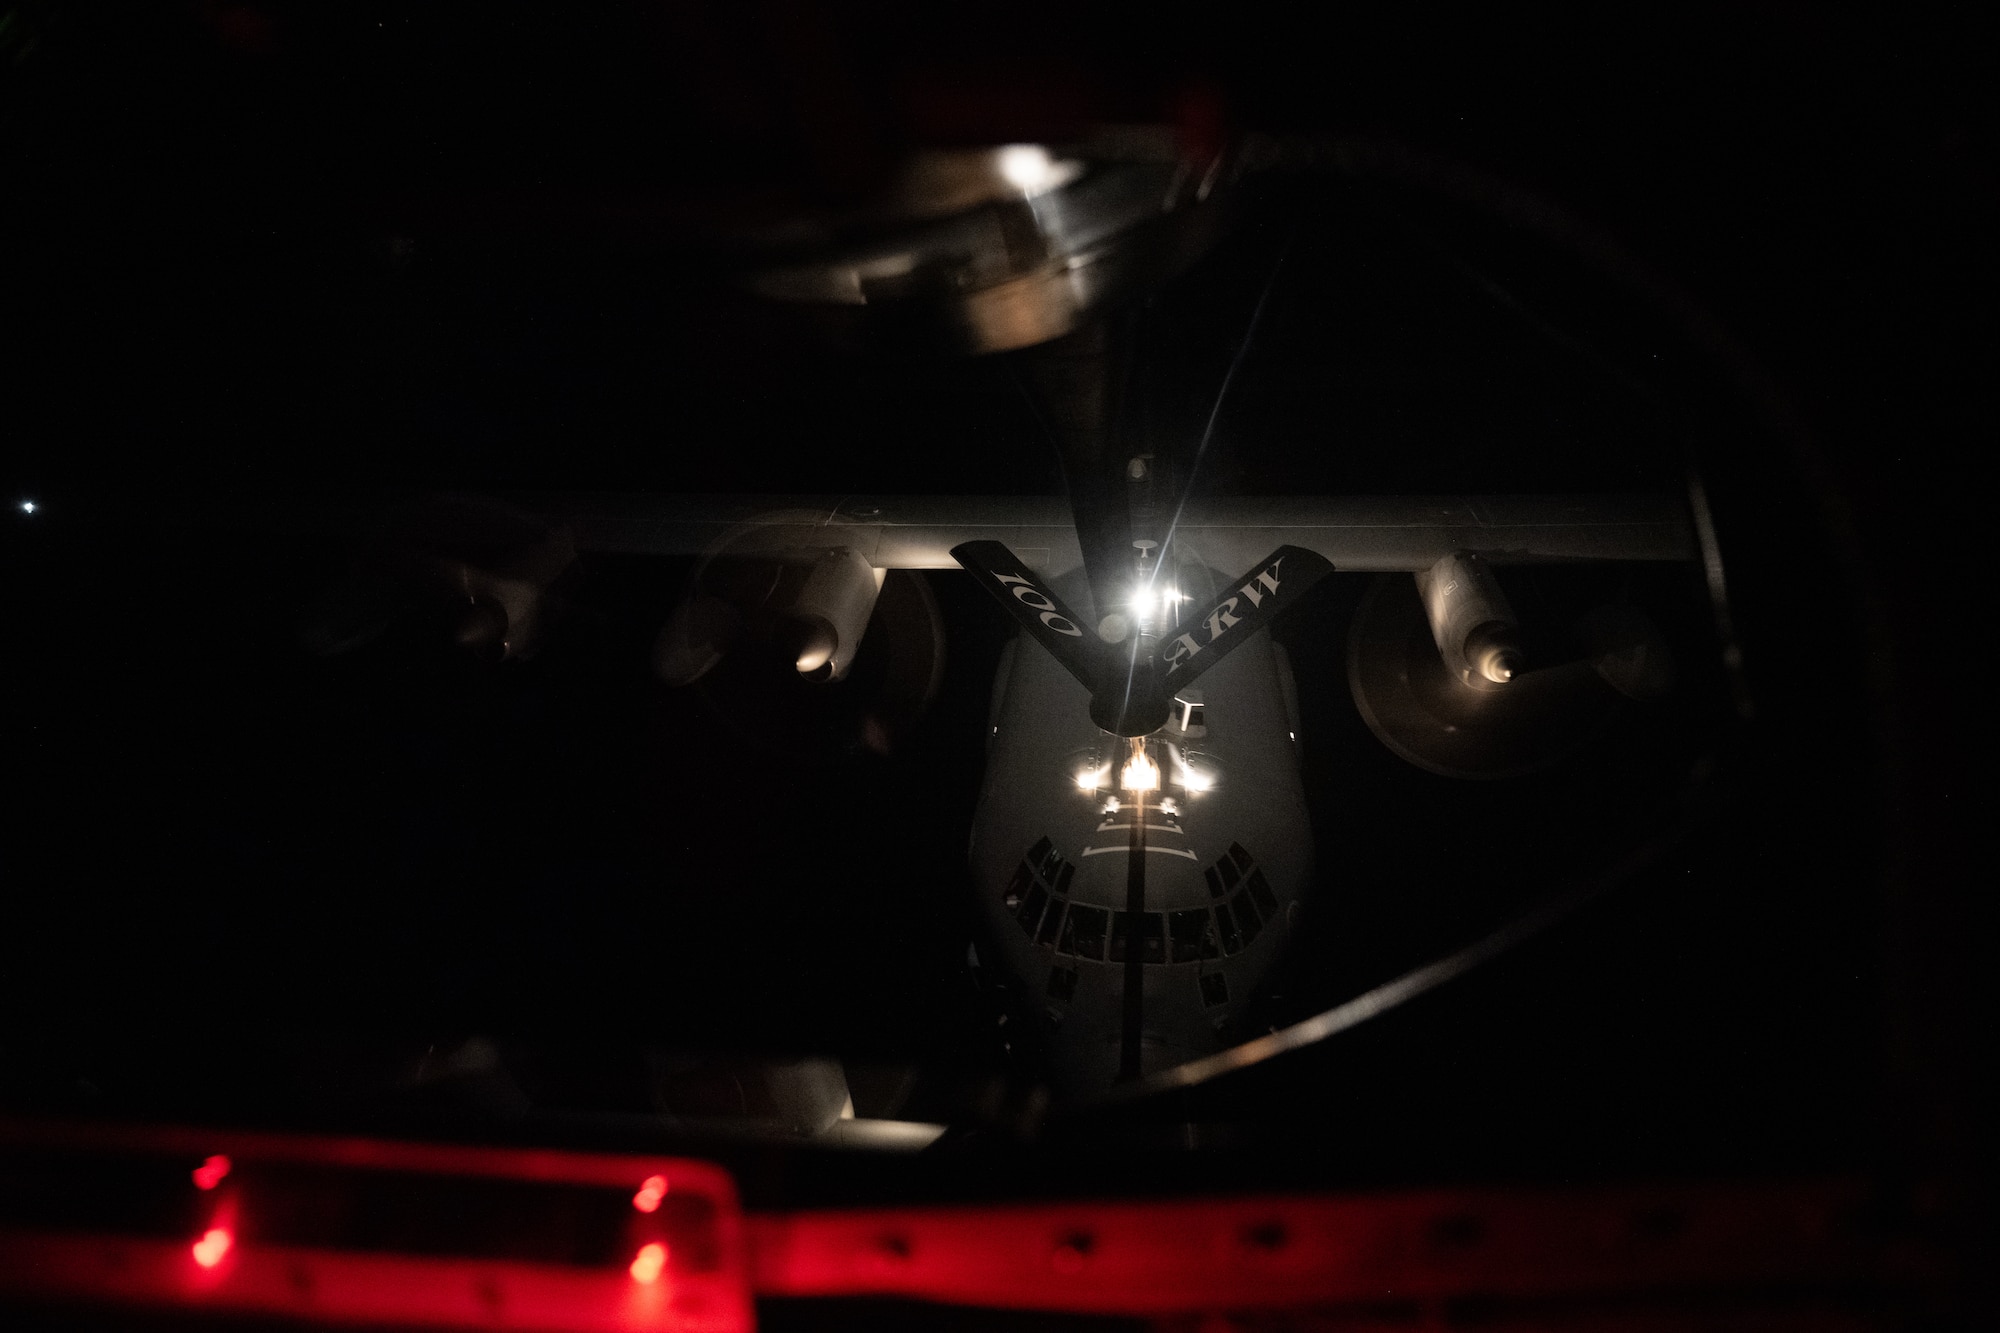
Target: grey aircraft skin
[(1224, 846), (1132, 925)]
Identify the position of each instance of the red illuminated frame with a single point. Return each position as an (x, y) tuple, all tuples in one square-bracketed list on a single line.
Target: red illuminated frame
[(1182, 1257), (211, 1270), (1772, 1244)]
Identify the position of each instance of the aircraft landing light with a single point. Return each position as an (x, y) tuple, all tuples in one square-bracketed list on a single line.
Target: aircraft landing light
[(1149, 604), (1140, 773)]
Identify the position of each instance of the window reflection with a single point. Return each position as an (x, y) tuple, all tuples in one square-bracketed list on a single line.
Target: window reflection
[(1051, 923), (1030, 915), (1144, 931), (1083, 932)]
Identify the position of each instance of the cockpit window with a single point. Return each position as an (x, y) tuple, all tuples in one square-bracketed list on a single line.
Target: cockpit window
[(1144, 931), (1017, 887), (1214, 883), (1051, 923), (1238, 855), (1230, 874), (1225, 922), (1083, 932), (1260, 888), (1062, 876), (1040, 852), (1193, 935), (1031, 910), (1247, 918)]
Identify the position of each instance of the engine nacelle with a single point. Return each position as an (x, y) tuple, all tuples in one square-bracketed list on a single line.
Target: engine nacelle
[(1471, 620), (829, 613), (812, 604)]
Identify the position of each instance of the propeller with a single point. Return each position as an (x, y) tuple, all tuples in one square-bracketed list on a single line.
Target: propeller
[(803, 651), (479, 571), (1514, 717)]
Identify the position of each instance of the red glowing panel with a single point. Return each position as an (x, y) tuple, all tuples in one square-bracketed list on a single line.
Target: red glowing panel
[(215, 1242), (210, 1173), (694, 1280), (647, 1200), (651, 1260)]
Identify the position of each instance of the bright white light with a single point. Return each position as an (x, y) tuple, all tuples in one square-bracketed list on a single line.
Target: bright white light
[(1111, 807), (27, 506), (1090, 779), (1190, 778), (649, 1263), (1151, 603), (214, 1243), (1139, 773), (1027, 167)]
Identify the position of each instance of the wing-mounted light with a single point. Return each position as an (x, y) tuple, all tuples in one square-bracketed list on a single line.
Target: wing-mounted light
[(1471, 620), (810, 605), (1448, 678), (772, 630), (828, 615)]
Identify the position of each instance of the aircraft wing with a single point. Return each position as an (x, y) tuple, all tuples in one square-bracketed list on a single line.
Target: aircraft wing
[(1355, 533)]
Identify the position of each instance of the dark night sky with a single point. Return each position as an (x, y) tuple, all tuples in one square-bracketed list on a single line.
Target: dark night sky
[(258, 250)]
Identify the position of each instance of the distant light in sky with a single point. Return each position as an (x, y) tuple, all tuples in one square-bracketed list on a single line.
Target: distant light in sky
[(27, 506), (208, 1251), (210, 1173), (647, 1200), (651, 1260)]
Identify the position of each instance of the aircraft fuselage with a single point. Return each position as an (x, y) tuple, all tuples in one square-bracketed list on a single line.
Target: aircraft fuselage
[(1136, 911)]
